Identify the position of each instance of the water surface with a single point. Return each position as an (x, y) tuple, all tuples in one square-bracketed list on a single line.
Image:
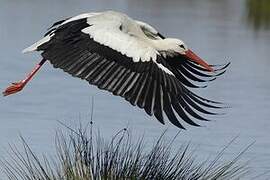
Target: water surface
[(219, 31)]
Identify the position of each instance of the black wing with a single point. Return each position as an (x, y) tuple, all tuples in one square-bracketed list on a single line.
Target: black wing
[(190, 73), (143, 84)]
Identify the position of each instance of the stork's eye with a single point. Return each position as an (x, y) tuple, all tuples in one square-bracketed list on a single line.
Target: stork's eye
[(182, 46)]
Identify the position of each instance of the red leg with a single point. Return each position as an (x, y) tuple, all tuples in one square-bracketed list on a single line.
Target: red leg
[(18, 86)]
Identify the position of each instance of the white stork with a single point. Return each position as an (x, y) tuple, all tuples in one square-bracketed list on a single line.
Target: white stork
[(131, 59)]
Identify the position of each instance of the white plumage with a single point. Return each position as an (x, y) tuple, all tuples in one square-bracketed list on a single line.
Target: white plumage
[(34, 46), (130, 40)]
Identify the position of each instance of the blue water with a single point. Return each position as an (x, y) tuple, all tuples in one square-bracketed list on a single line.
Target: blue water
[(219, 31)]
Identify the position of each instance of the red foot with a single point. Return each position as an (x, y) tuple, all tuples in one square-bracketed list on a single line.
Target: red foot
[(14, 88)]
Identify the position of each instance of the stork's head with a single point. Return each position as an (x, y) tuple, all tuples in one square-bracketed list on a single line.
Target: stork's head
[(172, 46)]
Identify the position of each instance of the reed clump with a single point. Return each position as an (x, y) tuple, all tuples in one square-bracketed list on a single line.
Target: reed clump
[(84, 155)]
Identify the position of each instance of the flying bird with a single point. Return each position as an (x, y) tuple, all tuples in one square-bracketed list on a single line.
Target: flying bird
[(131, 59)]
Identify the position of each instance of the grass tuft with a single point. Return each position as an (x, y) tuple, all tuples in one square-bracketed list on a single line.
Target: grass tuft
[(81, 155)]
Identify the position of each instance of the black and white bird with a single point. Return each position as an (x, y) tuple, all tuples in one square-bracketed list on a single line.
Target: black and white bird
[(131, 59)]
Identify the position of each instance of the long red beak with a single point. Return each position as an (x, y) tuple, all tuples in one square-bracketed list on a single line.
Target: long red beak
[(193, 57)]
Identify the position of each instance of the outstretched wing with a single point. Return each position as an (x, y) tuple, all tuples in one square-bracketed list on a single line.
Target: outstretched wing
[(119, 63)]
